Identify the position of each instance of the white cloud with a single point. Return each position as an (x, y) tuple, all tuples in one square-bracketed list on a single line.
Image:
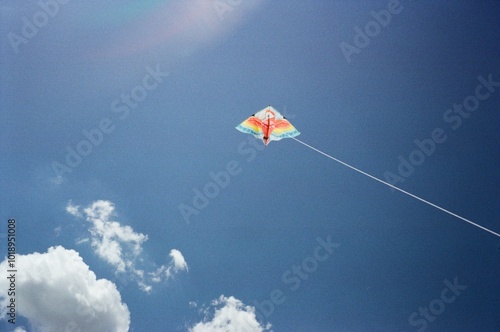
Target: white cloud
[(177, 264), (73, 209), (20, 329), (178, 260), (230, 315), (121, 246), (84, 240), (116, 244), (56, 291)]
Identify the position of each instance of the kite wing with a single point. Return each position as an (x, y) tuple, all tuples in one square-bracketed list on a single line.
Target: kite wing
[(253, 126), (283, 129), (268, 125)]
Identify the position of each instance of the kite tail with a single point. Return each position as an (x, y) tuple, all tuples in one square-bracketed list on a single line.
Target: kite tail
[(399, 189)]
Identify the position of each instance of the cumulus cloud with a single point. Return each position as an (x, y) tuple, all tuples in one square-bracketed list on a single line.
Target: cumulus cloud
[(230, 315), (121, 246), (56, 291)]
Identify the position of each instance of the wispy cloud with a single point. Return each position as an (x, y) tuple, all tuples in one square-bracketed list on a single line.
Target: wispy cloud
[(177, 264), (58, 292), (73, 209), (121, 247), (118, 245), (230, 315)]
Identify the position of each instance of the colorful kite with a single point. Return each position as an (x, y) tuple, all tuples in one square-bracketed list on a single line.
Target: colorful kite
[(268, 125)]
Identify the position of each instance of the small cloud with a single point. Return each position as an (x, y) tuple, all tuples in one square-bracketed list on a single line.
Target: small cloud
[(116, 244), (20, 329), (59, 292), (177, 264), (80, 241), (73, 209), (57, 231), (121, 246), (230, 315)]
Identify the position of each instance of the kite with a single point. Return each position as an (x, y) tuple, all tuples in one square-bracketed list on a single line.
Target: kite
[(268, 125)]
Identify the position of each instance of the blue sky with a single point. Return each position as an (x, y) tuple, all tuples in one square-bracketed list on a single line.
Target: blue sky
[(148, 97)]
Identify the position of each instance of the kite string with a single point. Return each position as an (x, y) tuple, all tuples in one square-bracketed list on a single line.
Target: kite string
[(399, 189)]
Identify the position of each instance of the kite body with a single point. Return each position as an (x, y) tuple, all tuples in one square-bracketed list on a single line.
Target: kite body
[(268, 125)]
